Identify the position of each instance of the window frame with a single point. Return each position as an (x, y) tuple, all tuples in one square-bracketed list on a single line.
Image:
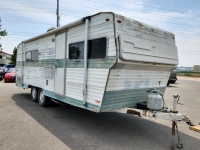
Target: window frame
[(31, 56), (26, 56), (68, 51), (105, 58)]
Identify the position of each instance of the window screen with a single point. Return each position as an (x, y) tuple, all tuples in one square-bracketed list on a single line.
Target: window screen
[(35, 55), (76, 50), (96, 49)]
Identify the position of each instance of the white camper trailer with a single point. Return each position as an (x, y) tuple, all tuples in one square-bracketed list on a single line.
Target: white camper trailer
[(101, 63)]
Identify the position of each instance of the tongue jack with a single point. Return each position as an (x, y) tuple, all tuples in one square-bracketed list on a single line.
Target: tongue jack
[(174, 123)]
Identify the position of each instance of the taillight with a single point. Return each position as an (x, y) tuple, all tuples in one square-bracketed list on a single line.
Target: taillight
[(107, 19), (119, 21)]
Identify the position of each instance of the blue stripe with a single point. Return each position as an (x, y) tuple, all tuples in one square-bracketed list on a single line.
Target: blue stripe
[(125, 98), (25, 86), (92, 63), (72, 101)]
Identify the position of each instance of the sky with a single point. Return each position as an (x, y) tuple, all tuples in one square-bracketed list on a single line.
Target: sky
[(24, 19)]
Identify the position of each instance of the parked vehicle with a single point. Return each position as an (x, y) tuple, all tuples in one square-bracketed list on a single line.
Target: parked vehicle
[(6, 67), (100, 63), (172, 77), (1, 73), (10, 76)]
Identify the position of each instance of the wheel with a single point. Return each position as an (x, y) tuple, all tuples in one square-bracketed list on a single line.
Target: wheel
[(42, 99), (168, 83), (34, 94), (173, 82)]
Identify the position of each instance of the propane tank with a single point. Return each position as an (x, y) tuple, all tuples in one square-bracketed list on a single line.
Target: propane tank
[(155, 101)]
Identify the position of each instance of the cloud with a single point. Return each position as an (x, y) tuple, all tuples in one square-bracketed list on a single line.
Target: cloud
[(28, 13), (9, 42)]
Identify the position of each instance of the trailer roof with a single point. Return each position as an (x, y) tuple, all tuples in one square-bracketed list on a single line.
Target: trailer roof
[(80, 21), (55, 30)]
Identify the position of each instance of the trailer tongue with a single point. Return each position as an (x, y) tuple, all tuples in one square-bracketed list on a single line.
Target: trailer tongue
[(154, 109)]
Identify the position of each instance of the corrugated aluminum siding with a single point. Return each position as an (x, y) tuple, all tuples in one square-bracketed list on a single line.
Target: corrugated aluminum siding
[(18, 64), (120, 79), (34, 71), (128, 80), (97, 69), (97, 76), (138, 29), (126, 88)]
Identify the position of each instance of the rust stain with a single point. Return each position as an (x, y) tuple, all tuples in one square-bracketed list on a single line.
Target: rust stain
[(144, 113), (133, 112), (97, 101), (95, 110)]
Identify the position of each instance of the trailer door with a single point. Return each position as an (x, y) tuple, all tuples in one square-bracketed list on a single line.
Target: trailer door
[(59, 85)]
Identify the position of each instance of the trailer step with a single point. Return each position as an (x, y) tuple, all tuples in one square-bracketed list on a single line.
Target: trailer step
[(195, 128)]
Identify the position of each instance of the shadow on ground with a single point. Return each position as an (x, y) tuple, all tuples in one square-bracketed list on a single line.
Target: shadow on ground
[(82, 129), (173, 85)]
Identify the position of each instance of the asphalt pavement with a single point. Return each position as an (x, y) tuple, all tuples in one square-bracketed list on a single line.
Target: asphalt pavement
[(24, 125)]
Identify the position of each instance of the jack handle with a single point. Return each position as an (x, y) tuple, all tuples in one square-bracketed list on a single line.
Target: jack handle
[(178, 100)]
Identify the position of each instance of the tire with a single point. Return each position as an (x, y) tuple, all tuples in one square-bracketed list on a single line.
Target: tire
[(34, 94), (173, 82), (168, 83), (42, 99)]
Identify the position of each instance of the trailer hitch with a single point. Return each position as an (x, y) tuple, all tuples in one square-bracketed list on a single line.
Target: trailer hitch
[(174, 122), (171, 115)]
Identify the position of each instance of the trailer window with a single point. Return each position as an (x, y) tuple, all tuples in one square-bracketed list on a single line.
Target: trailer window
[(28, 56), (32, 55), (35, 55), (96, 49), (76, 50)]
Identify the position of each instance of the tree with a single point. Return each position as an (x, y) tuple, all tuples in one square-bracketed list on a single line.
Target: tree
[(14, 56), (2, 33)]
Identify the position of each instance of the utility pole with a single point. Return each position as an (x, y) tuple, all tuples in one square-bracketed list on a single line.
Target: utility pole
[(57, 13)]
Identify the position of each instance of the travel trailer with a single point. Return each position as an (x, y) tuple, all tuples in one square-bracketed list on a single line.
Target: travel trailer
[(101, 63)]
